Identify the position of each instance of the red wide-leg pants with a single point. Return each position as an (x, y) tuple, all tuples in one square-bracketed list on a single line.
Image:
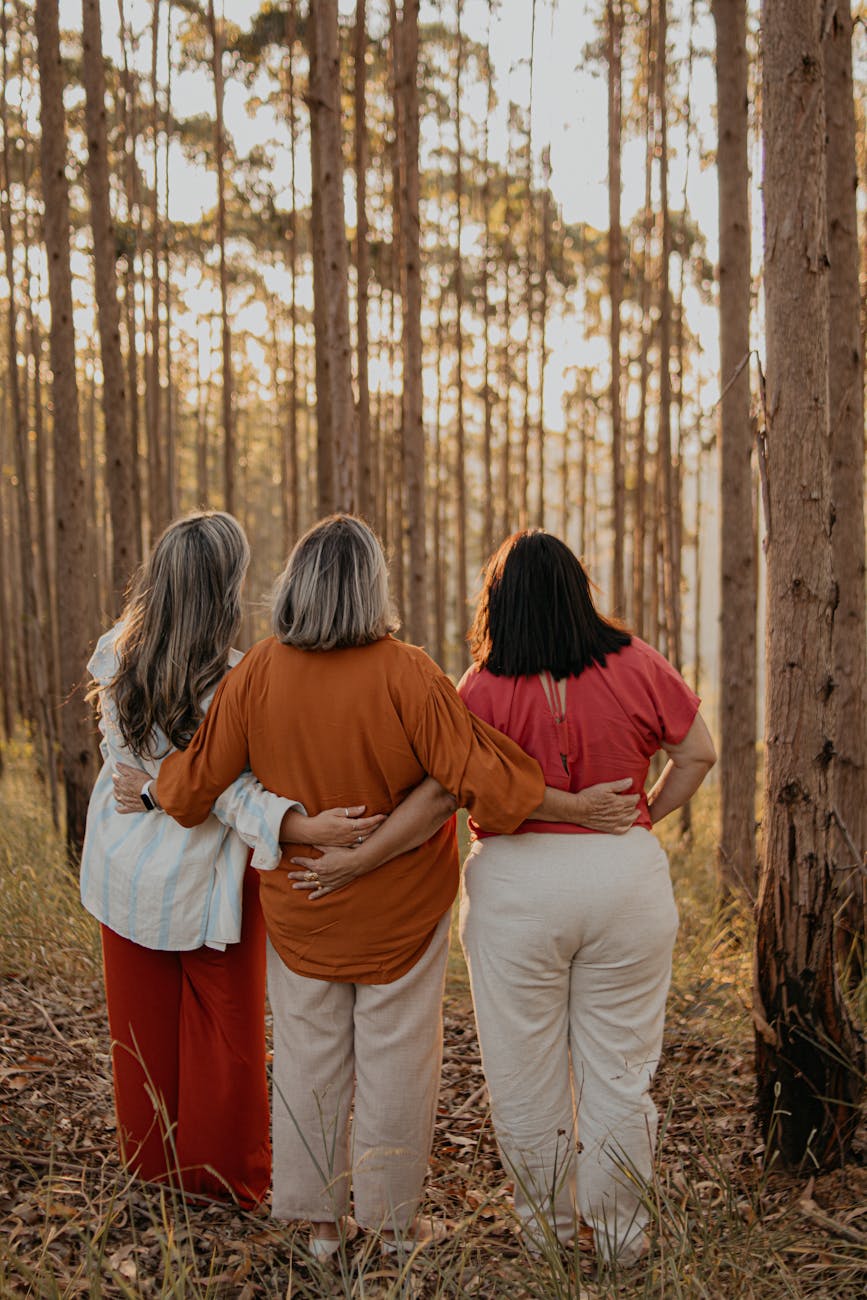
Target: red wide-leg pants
[(188, 1057)]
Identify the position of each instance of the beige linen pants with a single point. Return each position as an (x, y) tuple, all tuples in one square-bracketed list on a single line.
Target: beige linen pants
[(381, 1043), (568, 940)]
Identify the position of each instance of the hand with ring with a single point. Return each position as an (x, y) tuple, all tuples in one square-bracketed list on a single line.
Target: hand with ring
[(336, 868), (338, 827)]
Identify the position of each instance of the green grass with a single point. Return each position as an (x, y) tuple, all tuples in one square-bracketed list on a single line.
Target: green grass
[(73, 1224)]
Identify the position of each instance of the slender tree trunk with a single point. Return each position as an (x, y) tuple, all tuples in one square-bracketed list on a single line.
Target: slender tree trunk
[(460, 441), (529, 312), (506, 381), (544, 265), (810, 1063), (639, 542), (73, 580), (846, 376), (362, 262), (157, 504), (132, 195), (290, 455), (405, 37), (170, 420), (614, 26), (331, 264), (119, 449), (668, 523), (438, 520), (203, 410), (487, 259), (17, 413), (737, 712), (216, 33), (7, 647)]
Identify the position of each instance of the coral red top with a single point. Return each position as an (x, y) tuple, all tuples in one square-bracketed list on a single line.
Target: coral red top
[(359, 726), (616, 719)]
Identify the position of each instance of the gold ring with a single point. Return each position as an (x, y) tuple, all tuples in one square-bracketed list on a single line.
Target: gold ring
[(310, 875)]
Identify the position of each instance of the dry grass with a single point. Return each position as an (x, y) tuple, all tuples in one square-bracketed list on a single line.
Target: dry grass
[(71, 1223)]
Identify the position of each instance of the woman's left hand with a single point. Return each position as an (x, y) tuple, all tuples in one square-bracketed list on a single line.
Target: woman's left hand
[(325, 875), (128, 785)]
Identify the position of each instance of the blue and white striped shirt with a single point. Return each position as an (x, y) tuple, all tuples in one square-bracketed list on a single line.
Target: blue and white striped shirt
[(154, 881)]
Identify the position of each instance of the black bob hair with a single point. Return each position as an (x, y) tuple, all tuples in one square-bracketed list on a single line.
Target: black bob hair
[(536, 612)]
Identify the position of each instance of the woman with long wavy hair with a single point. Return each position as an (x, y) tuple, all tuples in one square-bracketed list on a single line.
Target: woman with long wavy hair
[(182, 932)]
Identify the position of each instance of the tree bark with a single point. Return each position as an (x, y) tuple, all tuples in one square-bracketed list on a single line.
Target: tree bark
[(809, 1060), (461, 602), (362, 263), (157, 511), (737, 846), (614, 32), (846, 390), (216, 33), (668, 523), (405, 36), (119, 449), (73, 580), (338, 486)]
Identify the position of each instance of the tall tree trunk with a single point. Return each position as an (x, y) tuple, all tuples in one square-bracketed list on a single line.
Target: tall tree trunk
[(291, 482), (362, 263), (216, 33), (73, 579), (17, 412), (506, 382), (810, 1063), (737, 710), (331, 264), (405, 36), (170, 413), (529, 312), (614, 32), (639, 541), (846, 385), (668, 522), (157, 511), (487, 259), (119, 449), (544, 266), (132, 197), (460, 441)]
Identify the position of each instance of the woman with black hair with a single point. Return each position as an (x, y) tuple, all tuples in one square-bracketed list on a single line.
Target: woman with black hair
[(569, 933)]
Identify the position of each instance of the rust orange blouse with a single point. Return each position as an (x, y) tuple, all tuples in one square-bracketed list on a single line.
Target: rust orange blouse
[(357, 726)]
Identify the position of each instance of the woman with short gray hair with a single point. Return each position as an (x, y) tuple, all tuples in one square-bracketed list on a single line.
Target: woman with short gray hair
[(335, 709)]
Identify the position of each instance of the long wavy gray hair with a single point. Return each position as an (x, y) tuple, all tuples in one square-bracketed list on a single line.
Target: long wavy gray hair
[(178, 627), (333, 592)]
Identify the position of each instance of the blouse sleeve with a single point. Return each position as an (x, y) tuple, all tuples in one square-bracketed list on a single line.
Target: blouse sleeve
[(191, 779), (255, 814), (485, 771), (674, 704)]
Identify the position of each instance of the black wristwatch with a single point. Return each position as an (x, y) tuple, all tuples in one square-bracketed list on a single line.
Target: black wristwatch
[(147, 798)]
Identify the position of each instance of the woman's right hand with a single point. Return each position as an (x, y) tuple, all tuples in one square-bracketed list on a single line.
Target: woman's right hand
[(606, 807), (335, 827), (325, 874)]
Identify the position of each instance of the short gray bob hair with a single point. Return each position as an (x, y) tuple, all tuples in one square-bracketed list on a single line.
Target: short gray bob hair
[(333, 592)]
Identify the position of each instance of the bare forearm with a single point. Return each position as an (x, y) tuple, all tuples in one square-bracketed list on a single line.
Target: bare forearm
[(415, 820), (677, 784), (607, 807)]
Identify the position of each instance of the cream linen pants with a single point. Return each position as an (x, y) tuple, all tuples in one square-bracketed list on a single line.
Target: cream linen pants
[(568, 941), (380, 1044)]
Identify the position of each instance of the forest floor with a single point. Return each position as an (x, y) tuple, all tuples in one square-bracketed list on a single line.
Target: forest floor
[(71, 1224)]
